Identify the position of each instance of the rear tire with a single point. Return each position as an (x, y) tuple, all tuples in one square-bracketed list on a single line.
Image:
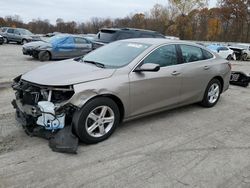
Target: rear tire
[(44, 56), (24, 41), (97, 120), (229, 57), (212, 93), (5, 40)]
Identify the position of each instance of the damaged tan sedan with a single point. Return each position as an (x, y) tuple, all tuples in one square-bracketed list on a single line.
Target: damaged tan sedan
[(118, 82)]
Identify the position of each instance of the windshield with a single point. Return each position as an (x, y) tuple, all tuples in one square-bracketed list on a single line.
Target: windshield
[(116, 54), (241, 46), (25, 32)]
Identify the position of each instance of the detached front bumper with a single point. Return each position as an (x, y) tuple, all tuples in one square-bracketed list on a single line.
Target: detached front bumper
[(59, 141)]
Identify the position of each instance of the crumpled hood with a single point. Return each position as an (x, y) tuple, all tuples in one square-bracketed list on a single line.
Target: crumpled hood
[(67, 72), (36, 44)]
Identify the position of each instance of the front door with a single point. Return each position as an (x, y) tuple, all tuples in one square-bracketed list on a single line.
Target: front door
[(150, 91)]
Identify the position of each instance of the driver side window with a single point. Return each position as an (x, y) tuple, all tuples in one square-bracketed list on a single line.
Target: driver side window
[(163, 56)]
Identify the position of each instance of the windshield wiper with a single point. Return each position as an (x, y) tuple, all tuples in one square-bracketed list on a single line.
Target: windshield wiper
[(95, 63)]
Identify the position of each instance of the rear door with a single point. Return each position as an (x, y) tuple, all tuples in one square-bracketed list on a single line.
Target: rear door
[(150, 91), (82, 46), (196, 72), (17, 36), (64, 48)]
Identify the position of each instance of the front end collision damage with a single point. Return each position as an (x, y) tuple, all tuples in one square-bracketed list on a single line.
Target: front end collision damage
[(46, 112)]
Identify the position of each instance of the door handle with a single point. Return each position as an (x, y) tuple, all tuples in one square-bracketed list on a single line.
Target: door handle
[(175, 73), (206, 67)]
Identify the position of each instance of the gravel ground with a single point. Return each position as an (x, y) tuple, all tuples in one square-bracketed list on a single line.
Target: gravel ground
[(186, 147)]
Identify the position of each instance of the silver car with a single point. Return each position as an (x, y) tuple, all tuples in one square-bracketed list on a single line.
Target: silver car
[(19, 35), (118, 82), (61, 46)]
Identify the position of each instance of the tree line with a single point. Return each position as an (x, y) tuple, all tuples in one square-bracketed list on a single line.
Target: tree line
[(186, 19)]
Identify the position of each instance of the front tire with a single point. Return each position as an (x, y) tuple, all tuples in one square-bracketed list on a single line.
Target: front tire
[(244, 57), (97, 120), (44, 56), (212, 93)]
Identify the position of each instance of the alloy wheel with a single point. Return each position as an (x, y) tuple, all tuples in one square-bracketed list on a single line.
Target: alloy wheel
[(100, 121), (213, 93)]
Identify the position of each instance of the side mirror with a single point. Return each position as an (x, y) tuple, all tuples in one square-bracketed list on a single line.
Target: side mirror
[(148, 67)]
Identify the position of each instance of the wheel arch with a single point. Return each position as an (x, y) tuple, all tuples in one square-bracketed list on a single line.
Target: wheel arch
[(221, 82), (116, 99), (50, 54)]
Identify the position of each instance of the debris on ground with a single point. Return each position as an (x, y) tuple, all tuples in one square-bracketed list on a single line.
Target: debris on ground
[(239, 78)]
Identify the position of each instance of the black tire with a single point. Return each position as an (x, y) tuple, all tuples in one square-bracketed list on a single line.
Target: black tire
[(24, 41), (244, 57), (44, 56), (81, 116), (206, 102), (229, 57), (6, 41)]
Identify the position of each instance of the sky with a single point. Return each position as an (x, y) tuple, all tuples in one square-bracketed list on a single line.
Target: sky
[(76, 10)]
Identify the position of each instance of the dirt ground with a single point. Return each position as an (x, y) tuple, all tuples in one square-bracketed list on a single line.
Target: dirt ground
[(186, 147)]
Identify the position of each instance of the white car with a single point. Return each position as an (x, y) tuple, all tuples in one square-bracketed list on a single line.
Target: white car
[(223, 51), (246, 52)]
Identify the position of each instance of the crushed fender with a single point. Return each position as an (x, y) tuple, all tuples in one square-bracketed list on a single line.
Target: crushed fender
[(239, 78)]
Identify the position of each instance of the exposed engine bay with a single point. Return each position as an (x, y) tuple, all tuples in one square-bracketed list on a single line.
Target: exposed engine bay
[(43, 111)]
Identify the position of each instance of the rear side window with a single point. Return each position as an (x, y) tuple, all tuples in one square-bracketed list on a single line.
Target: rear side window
[(159, 36), (163, 56), (147, 35), (123, 35), (80, 40), (10, 31), (191, 53), (222, 48), (16, 32), (106, 35), (206, 54)]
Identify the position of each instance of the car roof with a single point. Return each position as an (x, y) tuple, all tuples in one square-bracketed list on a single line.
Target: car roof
[(243, 44), (70, 35), (215, 47), (160, 41), (130, 29)]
